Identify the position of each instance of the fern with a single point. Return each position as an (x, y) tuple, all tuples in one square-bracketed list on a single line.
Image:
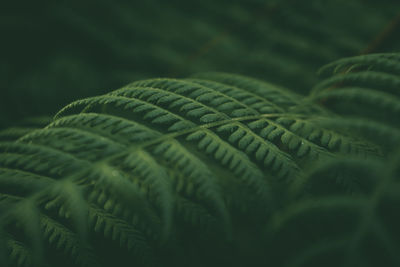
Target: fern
[(163, 170), (343, 211), (23, 127), (121, 41), (350, 227)]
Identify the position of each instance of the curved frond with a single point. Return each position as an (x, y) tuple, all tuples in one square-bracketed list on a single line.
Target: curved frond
[(161, 165)]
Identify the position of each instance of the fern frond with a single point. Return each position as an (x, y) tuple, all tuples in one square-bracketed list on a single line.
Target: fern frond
[(137, 168), (386, 136), (252, 100), (63, 239), (364, 81), (20, 255), (384, 62), (127, 235), (23, 127), (380, 100), (36, 159), (26, 217), (382, 81), (358, 100), (349, 175), (277, 95), (199, 97), (350, 228), (318, 131), (271, 130)]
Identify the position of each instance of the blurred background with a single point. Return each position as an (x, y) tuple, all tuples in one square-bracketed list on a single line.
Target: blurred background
[(54, 52)]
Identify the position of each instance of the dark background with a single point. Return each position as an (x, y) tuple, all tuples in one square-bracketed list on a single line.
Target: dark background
[(53, 52)]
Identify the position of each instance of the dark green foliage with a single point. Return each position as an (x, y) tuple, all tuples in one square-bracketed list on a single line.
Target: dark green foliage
[(214, 170), (73, 49), (345, 209), (23, 127)]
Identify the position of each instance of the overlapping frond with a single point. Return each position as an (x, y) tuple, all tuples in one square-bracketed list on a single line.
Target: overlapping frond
[(344, 211), (23, 127), (126, 165), (348, 216), (367, 88), (164, 164)]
